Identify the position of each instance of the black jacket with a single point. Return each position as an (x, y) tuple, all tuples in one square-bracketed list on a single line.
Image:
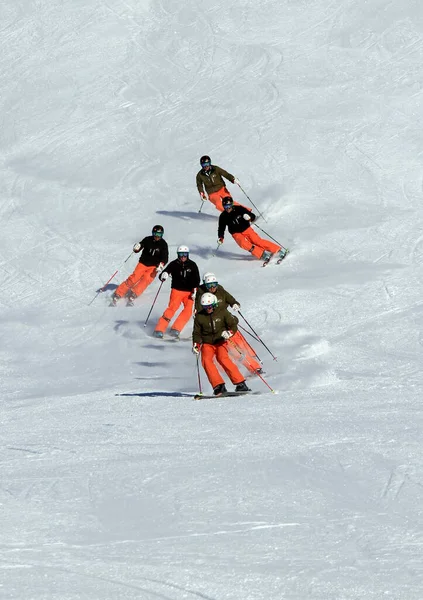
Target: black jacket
[(153, 253), (234, 220), (185, 275)]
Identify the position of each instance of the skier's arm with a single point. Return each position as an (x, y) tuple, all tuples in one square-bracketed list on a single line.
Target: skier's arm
[(222, 226), (168, 270), (139, 246), (225, 174), (199, 184), (196, 332), (196, 276), (164, 254), (231, 322), (229, 299)]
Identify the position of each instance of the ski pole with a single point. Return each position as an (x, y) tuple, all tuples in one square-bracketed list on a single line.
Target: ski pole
[(272, 238), (215, 252), (242, 190), (200, 387), (254, 338), (107, 282), (258, 374), (258, 337), (249, 333), (154, 302)]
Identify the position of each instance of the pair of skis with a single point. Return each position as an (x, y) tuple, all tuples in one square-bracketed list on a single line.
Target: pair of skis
[(224, 395), (280, 259)]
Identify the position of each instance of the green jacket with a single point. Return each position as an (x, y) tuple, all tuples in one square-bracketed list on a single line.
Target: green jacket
[(224, 298), (214, 181), (208, 328)]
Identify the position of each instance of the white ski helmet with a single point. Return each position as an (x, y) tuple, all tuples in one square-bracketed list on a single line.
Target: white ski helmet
[(207, 275), (210, 279), (182, 250), (208, 300)]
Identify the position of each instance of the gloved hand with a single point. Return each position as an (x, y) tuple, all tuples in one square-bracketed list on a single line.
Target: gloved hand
[(137, 247), (236, 307), (227, 334), (160, 268), (192, 295), (220, 241), (203, 196), (163, 276), (196, 348), (237, 182), (247, 217)]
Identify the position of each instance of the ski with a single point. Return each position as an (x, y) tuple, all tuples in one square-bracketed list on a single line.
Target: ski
[(224, 395)]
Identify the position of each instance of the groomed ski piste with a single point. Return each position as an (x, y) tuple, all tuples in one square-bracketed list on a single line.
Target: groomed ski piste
[(115, 484)]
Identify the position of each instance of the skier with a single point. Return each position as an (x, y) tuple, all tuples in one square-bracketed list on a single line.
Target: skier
[(185, 280), (155, 254), (237, 219), (211, 336), (240, 350), (210, 180)]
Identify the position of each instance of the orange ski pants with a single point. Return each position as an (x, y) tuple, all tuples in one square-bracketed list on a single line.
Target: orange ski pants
[(240, 350), (216, 198), (138, 281), (177, 297), (250, 240), (210, 352)]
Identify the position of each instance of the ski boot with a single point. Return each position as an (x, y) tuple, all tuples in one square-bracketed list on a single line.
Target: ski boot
[(158, 334), (281, 255), (265, 257), (220, 389), (130, 299), (114, 300), (242, 387), (174, 333)]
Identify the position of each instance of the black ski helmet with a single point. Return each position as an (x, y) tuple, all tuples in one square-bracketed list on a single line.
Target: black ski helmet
[(205, 160), (158, 230), (227, 201)]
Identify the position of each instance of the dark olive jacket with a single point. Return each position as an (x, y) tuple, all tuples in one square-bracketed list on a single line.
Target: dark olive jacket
[(208, 328), (212, 181)]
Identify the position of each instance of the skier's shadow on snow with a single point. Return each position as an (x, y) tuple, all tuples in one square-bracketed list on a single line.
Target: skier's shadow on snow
[(109, 287), (187, 215)]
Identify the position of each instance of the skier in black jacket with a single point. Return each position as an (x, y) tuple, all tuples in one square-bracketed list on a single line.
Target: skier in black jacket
[(237, 219), (155, 254), (185, 280)]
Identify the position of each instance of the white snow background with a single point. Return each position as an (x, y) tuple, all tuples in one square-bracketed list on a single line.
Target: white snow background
[(115, 486)]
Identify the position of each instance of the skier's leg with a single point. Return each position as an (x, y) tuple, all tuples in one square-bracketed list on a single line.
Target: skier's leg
[(260, 242), (229, 367), (147, 277), (247, 356), (216, 198), (132, 280), (174, 303), (245, 243), (207, 355), (185, 315)]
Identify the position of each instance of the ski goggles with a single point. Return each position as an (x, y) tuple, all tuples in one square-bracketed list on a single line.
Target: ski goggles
[(181, 254), (157, 233), (212, 284), (209, 306)]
